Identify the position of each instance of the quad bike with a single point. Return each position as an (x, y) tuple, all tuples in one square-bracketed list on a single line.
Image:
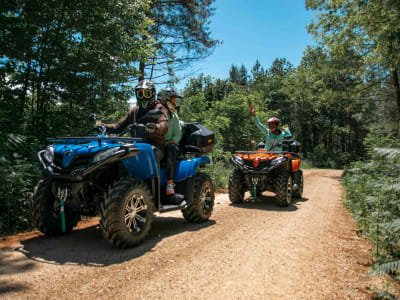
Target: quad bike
[(118, 178), (267, 170)]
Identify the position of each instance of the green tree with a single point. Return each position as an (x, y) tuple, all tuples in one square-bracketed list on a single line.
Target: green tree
[(180, 35), (370, 27), (238, 75), (74, 53)]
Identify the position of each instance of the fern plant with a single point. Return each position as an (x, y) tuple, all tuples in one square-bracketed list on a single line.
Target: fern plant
[(373, 196), (18, 174), (386, 268)]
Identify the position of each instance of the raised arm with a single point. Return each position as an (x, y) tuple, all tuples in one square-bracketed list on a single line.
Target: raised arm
[(261, 126)]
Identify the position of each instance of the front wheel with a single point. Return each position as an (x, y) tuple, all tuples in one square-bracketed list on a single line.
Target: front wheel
[(283, 189), (203, 200), (235, 188), (47, 211), (126, 214)]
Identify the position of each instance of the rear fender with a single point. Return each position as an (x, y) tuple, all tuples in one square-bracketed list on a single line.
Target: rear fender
[(185, 169)]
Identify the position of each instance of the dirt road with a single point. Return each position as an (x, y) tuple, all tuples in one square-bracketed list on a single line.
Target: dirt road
[(257, 250)]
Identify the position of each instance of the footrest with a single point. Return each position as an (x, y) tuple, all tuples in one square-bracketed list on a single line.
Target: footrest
[(165, 208)]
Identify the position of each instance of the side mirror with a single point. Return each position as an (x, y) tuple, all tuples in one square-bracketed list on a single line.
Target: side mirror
[(92, 118), (244, 136)]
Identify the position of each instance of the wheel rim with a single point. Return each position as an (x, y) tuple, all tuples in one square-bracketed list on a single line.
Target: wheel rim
[(206, 198), (56, 208), (135, 213)]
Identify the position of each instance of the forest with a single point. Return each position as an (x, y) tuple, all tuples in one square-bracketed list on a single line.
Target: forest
[(60, 61)]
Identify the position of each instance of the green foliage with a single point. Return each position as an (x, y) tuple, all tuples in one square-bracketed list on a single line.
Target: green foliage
[(387, 268), (18, 175), (370, 28), (372, 194), (180, 35), (220, 168), (327, 158)]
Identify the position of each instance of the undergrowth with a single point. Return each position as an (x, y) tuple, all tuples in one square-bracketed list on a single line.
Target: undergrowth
[(373, 196)]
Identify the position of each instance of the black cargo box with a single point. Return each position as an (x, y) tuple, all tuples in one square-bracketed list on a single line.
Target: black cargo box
[(197, 137)]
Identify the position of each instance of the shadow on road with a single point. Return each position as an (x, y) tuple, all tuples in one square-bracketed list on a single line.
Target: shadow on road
[(264, 202), (337, 178), (88, 247), (6, 287)]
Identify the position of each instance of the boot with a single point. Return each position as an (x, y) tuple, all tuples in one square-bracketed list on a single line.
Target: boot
[(172, 197)]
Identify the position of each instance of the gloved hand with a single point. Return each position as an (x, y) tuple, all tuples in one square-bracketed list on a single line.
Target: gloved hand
[(99, 129), (151, 127), (252, 110)]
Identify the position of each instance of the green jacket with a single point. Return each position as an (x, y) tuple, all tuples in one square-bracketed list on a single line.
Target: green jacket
[(174, 128), (272, 138)]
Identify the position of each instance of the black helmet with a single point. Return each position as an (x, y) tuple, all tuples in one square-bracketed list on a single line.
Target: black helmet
[(145, 93), (168, 95)]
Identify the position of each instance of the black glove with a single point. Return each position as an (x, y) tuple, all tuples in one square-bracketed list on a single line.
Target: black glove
[(99, 129), (151, 127)]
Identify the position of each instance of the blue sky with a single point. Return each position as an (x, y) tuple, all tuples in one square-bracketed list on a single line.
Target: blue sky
[(255, 29)]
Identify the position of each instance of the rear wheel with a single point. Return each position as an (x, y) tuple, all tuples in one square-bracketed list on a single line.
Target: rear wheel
[(235, 188), (47, 211), (126, 214), (299, 181), (283, 189), (203, 200)]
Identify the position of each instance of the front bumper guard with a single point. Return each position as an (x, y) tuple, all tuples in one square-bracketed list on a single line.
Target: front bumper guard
[(51, 170)]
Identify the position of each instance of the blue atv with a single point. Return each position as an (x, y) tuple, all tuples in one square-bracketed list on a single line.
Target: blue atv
[(118, 178)]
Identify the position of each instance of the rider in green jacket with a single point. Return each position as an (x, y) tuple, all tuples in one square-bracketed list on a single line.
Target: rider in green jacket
[(274, 135), (168, 97)]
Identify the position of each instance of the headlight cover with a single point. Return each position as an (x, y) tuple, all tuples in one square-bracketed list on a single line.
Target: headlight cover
[(49, 154), (105, 154), (278, 161), (238, 160)]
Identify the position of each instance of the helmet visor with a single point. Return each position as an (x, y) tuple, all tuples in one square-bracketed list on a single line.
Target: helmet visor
[(144, 94)]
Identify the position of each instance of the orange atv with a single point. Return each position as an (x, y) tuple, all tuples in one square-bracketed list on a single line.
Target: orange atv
[(267, 170)]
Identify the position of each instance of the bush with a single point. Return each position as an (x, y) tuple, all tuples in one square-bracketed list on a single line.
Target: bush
[(373, 196), (18, 175), (327, 158), (220, 168)]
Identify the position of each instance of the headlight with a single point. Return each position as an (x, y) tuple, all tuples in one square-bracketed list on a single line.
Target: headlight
[(49, 154), (238, 160), (278, 161), (105, 154)]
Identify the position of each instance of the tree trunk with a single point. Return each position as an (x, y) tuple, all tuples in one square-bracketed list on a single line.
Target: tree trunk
[(142, 65), (396, 83)]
